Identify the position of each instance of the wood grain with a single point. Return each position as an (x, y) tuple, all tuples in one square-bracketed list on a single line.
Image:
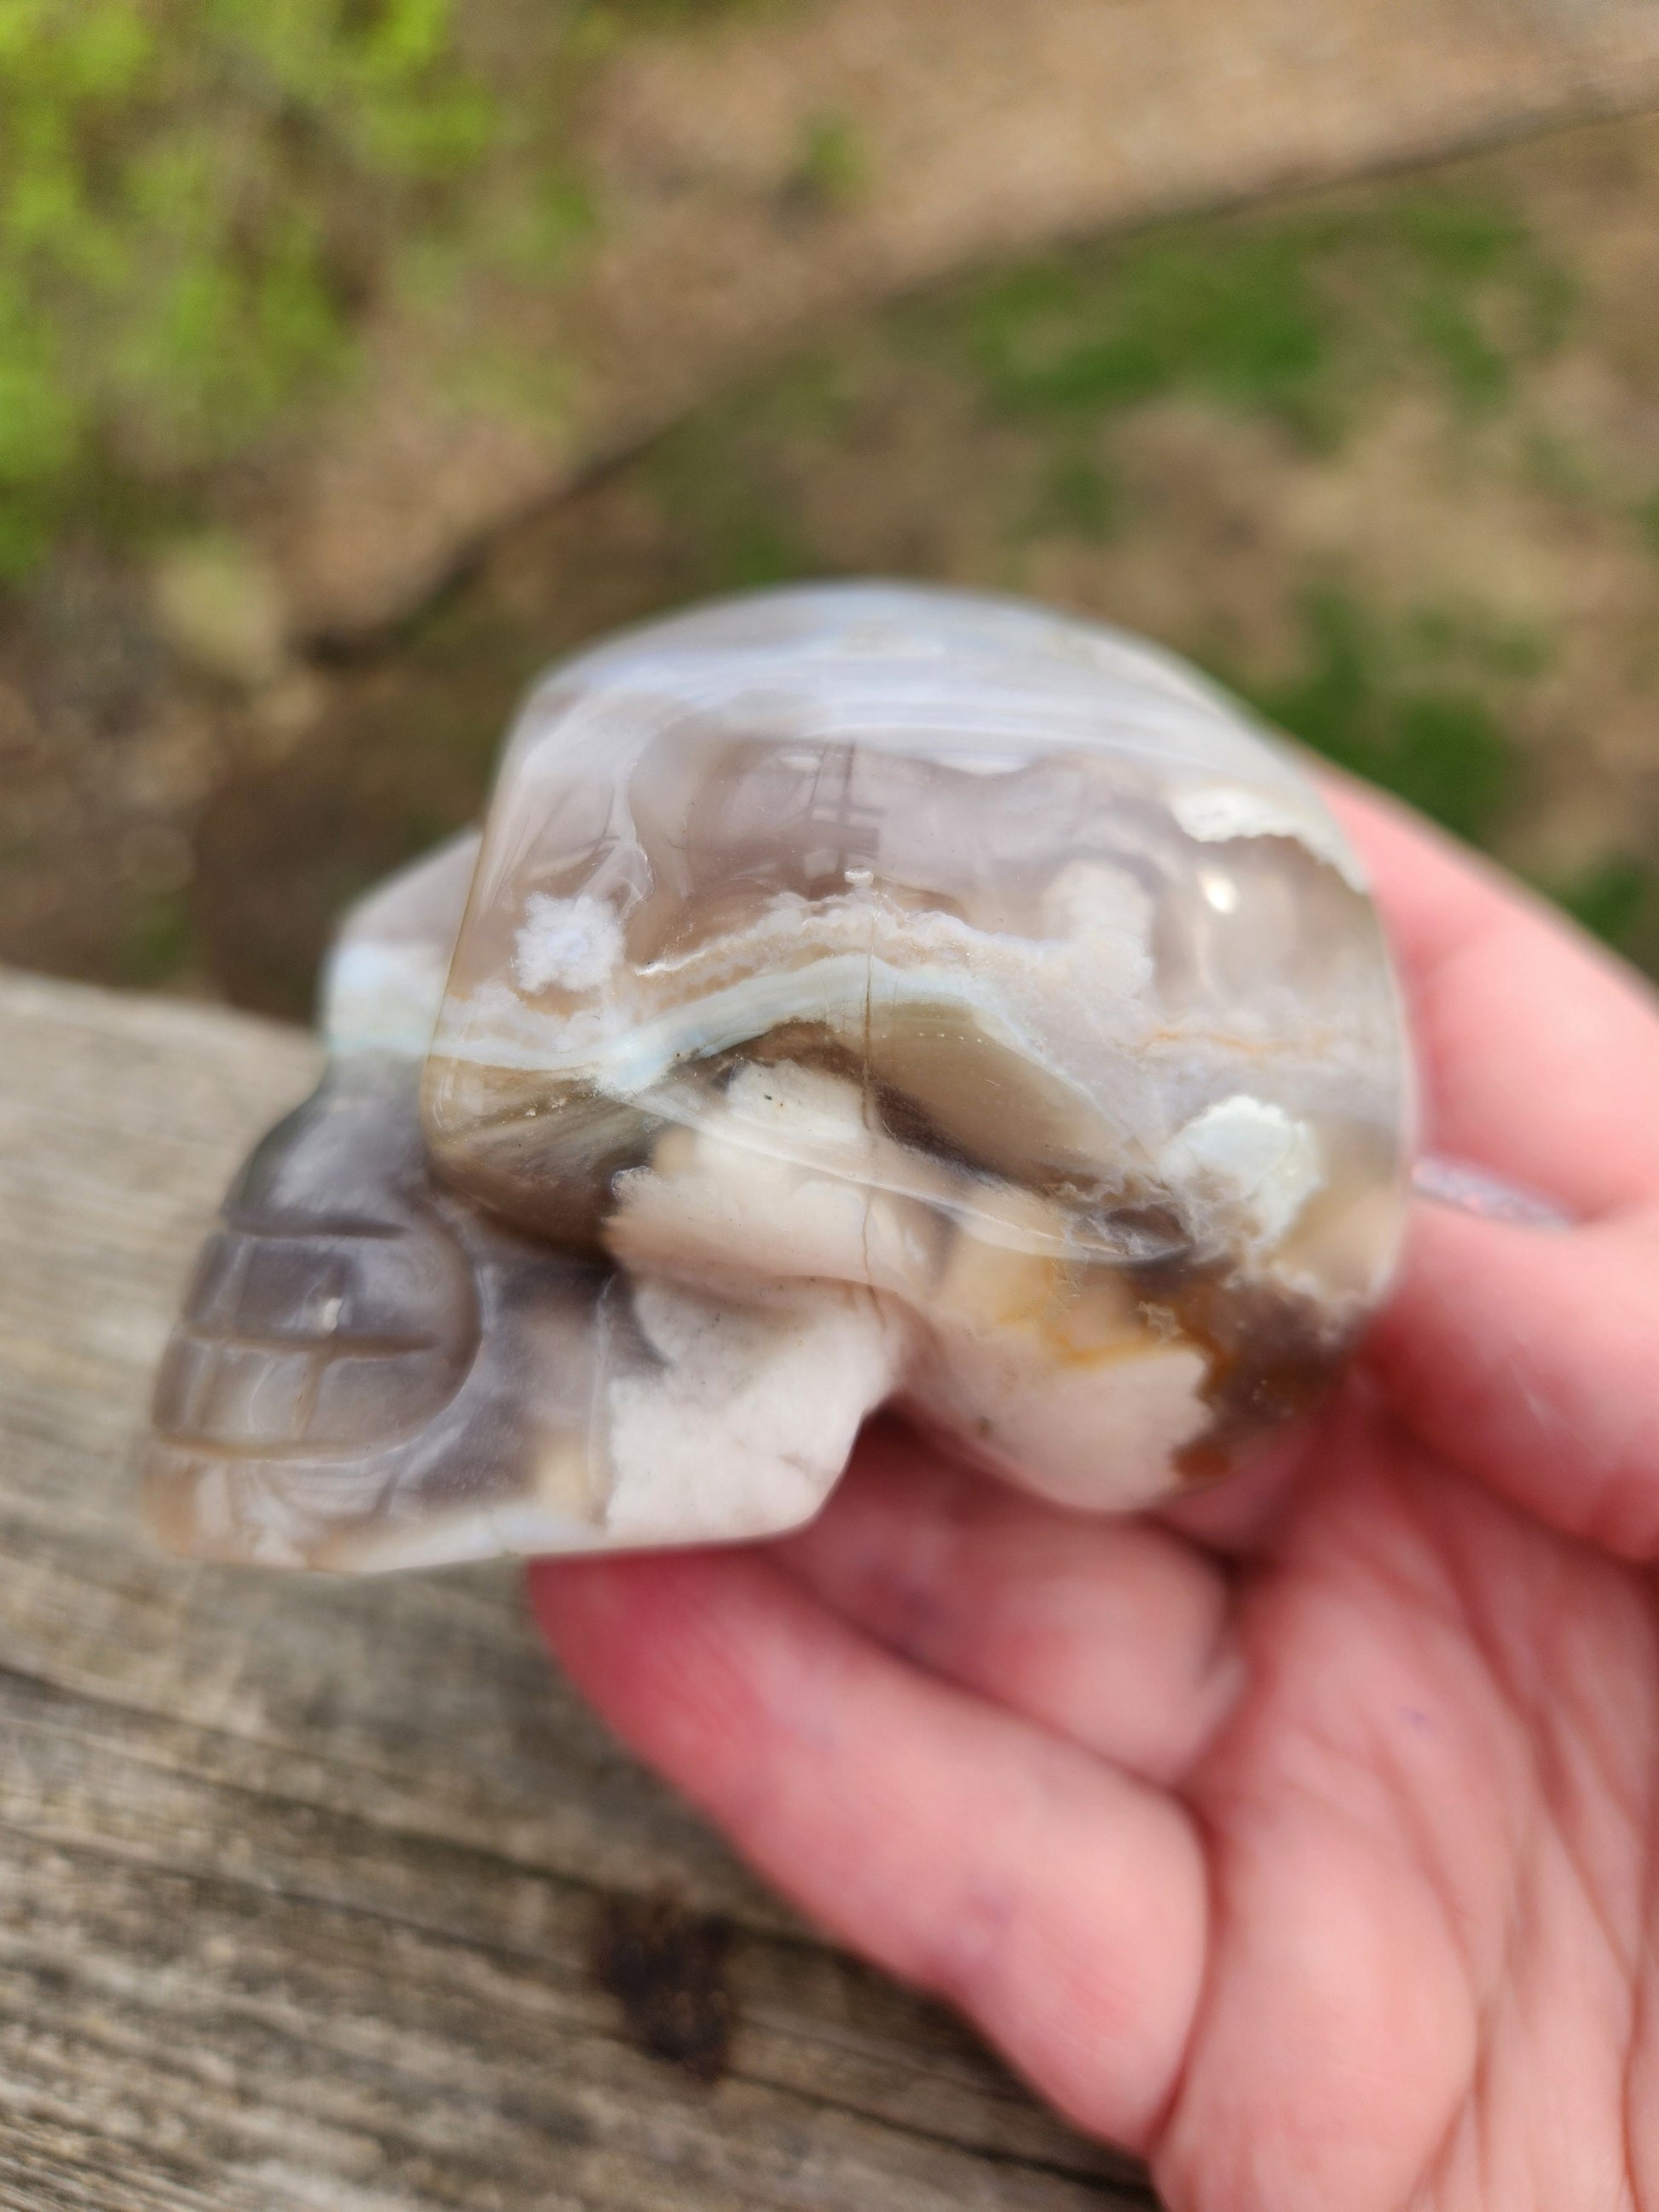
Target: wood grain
[(312, 1894)]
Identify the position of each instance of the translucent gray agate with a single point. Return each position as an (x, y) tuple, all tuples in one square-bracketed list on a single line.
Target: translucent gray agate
[(858, 993)]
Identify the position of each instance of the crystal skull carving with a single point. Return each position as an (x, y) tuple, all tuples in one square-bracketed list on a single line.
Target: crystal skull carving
[(857, 993)]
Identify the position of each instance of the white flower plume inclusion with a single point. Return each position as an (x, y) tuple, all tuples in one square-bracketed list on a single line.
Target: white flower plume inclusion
[(858, 993)]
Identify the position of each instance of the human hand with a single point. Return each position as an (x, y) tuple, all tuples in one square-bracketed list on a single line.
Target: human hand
[(1303, 1838)]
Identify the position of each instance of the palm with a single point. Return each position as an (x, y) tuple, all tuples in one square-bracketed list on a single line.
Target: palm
[(1299, 1840), (1430, 1842)]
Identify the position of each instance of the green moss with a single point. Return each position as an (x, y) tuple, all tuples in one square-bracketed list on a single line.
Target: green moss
[(1078, 497), (1456, 238), (1404, 705), (1476, 372), (1646, 517), (622, 19), (159, 942), (832, 167), (813, 400), (1560, 470), (597, 28), (1235, 319), (717, 483), (1285, 314), (1612, 899)]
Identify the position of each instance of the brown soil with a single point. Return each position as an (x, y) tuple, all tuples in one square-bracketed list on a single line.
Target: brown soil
[(1496, 556)]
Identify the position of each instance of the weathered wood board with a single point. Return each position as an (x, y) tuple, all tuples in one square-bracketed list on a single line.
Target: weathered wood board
[(303, 1884)]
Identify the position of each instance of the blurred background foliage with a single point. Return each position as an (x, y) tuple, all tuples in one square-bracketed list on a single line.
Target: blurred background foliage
[(1384, 458), (191, 199), (199, 197)]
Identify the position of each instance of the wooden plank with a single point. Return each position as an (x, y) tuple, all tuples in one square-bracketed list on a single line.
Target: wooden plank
[(313, 1894)]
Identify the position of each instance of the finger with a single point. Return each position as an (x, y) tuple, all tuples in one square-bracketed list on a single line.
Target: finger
[(1059, 1903), (1538, 1052), (1113, 1633), (1526, 1356), (1531, 1358)]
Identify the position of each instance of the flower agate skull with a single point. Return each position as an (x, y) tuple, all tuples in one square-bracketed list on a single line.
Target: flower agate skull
[(858, 993)]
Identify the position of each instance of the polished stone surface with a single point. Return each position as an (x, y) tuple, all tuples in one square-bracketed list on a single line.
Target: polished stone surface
[(858, 993)]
